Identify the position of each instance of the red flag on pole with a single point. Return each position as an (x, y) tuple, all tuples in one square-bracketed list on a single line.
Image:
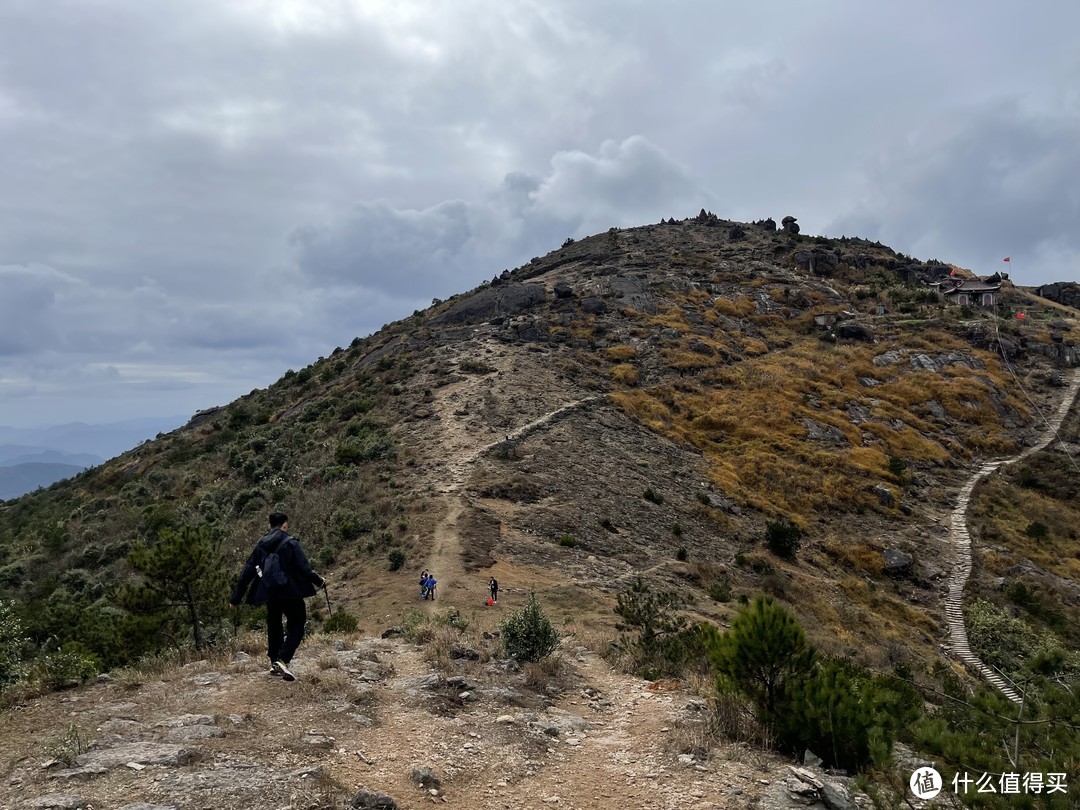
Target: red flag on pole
[(952, 272), (1007, 259)]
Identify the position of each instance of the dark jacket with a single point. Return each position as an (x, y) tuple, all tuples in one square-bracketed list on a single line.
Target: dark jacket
[(302, 580)]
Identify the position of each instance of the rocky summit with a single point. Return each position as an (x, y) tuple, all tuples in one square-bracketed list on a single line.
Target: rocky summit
[(717, 409)]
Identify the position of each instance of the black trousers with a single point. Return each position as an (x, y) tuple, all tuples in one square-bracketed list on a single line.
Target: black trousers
[(282, 643)]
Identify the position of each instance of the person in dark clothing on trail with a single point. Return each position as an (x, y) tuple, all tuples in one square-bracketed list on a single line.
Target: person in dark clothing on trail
[(283, 601), (493, 586), (430, 584)]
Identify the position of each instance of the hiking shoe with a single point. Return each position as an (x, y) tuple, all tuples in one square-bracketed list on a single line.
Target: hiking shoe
[(274, 672), (283, 671)]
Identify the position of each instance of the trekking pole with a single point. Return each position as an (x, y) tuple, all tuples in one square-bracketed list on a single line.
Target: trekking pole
[(326, 593)]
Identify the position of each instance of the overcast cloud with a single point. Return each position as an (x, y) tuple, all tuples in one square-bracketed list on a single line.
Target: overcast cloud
[(199, 195)]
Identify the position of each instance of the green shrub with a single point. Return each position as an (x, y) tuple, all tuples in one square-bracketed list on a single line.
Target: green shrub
[(1037, 531), (356, 407), (66, 748), (341, 622), (682, 554), (569, 541), (1028, 479), (664, 644), (844, 715), (652, 496), (720, 591), (185, 578), (1004, 642), (13, 641), (69, 667), (474, 367), (528, 634), (370, 445), (981, 731), (832, 707), (782, 538), (396, 558), (763, 650), (350, 525)]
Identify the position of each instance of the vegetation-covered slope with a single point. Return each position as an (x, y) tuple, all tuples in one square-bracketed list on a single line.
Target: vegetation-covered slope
[(642, 401)]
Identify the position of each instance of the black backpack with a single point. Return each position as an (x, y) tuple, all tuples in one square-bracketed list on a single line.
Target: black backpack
[(273, 574)]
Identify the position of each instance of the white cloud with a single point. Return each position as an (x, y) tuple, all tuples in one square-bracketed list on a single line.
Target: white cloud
[(456, 244)]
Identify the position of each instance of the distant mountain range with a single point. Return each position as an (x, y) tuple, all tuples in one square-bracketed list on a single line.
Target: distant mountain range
[(37, 457), (19, 479)]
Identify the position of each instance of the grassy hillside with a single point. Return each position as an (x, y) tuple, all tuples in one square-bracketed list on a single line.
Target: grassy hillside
[(642, 401)]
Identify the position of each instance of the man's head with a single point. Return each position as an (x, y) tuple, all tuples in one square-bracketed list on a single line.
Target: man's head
[(278, 519)]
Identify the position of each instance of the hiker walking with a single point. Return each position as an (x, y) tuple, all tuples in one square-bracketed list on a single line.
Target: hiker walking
[(423, 585), (430, 584), (493, 586), (277, 574)]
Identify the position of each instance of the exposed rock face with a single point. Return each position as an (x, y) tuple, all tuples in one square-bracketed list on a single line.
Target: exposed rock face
[(372, 800), (789, 224), (1063, 292), (426, 778), (768, 225), (806, 788), (506, 299), (853, 331), (827, 434), (1063, 353), (885, 496), (594, 306), (817, 260), (896, 561), (563, 290)]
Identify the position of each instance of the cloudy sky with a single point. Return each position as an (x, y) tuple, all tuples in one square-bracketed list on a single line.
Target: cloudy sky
[(197, 195)]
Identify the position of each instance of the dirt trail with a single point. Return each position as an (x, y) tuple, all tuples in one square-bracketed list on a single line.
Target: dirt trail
[(364, 715), (961, 540), (451, 472)]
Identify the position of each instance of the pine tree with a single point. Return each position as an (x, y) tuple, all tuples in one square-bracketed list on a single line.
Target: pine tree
[(185, 583), (527, 634), (761, 652), (665, 642)]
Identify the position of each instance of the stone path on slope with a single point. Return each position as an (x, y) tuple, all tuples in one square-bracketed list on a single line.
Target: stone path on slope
[(961, 540)]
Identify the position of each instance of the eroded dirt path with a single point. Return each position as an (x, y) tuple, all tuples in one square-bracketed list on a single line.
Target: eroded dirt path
[(364, 714)]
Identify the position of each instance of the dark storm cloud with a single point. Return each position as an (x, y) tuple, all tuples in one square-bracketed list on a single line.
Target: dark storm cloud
[(198, 195)]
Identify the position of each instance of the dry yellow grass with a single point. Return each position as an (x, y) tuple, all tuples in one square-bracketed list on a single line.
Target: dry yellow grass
[(857, 555), (741, 307), (625, 374), (749, 418), (620, 354)]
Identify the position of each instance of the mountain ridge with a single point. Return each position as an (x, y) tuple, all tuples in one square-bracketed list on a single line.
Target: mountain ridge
[(641, 403)]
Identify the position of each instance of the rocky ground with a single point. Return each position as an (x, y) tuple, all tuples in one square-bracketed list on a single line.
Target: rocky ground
[(372, 723)]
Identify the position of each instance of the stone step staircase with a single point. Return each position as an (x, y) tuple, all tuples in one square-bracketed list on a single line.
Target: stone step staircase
[(961, 541)]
